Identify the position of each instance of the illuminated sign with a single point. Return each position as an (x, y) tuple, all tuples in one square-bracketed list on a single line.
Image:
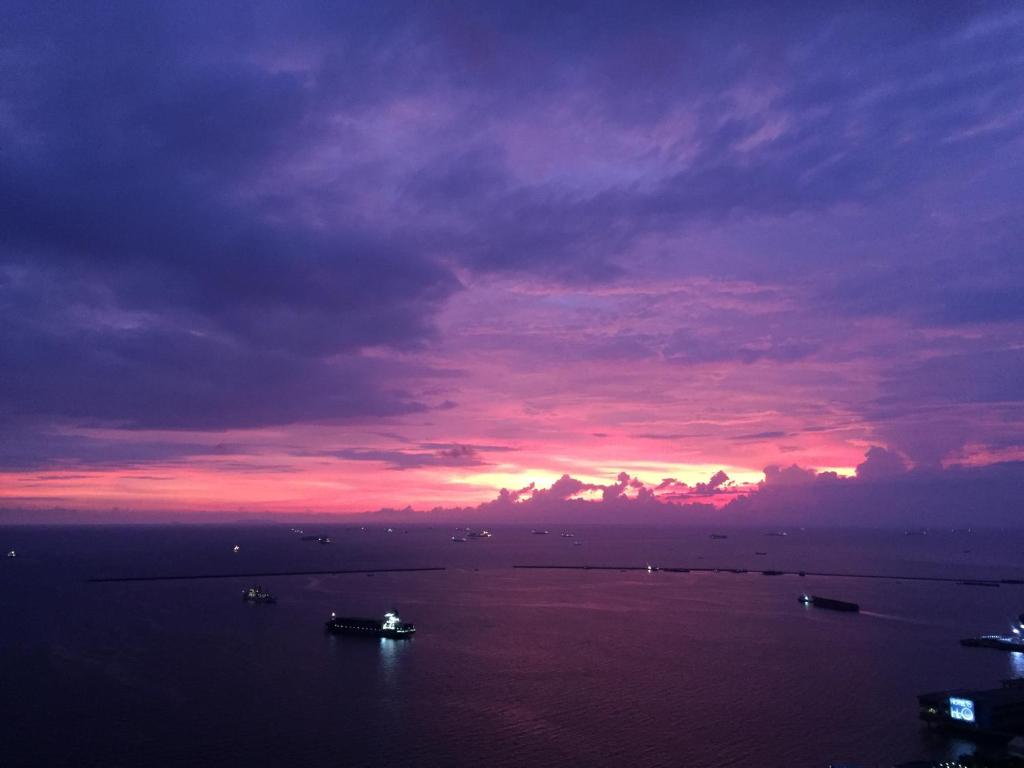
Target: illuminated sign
[(961, 709)]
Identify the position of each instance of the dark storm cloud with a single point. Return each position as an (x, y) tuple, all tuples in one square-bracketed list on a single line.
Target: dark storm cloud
[(213, 214), (957, 496)]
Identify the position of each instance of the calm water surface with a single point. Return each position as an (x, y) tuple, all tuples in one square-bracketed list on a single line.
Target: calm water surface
[(508, 667)]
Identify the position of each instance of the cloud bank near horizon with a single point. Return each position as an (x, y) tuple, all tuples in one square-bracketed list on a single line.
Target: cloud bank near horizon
[(884, 492)]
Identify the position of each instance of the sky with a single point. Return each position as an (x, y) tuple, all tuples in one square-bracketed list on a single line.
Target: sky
[(612, 260)]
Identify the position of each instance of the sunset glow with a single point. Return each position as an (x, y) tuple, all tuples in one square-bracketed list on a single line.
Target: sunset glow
[(410, 260)]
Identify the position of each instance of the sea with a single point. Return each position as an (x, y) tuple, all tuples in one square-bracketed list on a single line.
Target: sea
[(509, 666)]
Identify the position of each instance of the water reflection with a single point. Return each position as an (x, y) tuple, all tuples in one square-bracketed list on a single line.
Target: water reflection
[(391, 653), (1017, 664)]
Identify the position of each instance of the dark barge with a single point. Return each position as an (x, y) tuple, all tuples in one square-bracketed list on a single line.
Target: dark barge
[(829, 604)]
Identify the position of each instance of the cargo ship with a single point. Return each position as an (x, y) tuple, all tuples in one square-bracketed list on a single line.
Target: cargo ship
[(829, 603), (391, 627), (256, 594)]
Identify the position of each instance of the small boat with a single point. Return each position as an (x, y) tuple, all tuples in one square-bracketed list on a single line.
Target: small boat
[(567, 534), (539, 532), (391, 627), (777, 533), (719, 536), (256, 594), (577, 543), (318, 539), (760, 553), (480, 534), (12, 553), (829, 603), (236, 549), (459, 538)]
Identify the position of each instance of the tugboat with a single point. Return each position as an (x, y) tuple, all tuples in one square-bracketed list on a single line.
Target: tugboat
[(391, 627), (1013, 643), (255, 594), (998, 642)]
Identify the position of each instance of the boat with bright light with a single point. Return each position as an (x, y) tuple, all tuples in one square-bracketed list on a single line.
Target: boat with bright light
[(391, 627)]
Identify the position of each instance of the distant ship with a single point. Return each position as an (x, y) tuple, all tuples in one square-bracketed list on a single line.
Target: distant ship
[(256, 594), (392, 626), (459, 538), (567, 534), (829, 603), (777, 533), (318, 539), (577, 543), (719, 536), (539, 532), (479, 534)]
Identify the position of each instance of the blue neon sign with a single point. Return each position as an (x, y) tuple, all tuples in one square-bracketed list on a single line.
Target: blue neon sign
[(961, 709)]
